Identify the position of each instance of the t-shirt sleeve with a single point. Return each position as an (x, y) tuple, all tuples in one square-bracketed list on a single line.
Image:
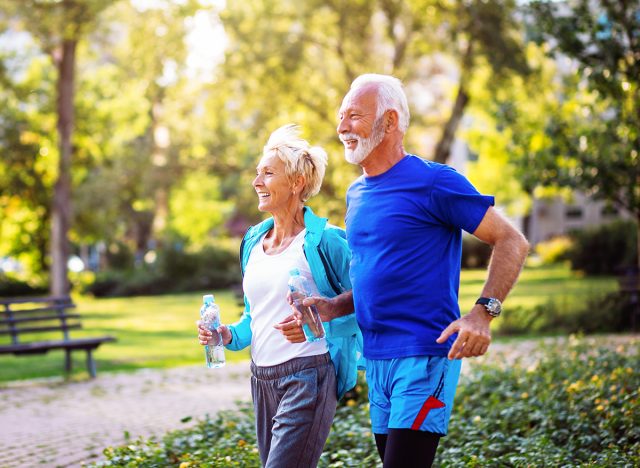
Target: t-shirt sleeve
[(456, 202)]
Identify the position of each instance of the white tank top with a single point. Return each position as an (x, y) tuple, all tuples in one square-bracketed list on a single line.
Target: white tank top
[(265, 286)]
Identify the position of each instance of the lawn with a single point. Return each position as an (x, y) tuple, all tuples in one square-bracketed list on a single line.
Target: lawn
[(152, 331), (160, 332)]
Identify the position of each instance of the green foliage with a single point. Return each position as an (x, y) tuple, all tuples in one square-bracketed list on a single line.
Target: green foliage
[(576, 407), (12, 287), (553, 250), (174, 270), (591, 135), (605, 313), (606, 249)]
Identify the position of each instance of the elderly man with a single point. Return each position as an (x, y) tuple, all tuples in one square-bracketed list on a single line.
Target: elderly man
[(404, 220)]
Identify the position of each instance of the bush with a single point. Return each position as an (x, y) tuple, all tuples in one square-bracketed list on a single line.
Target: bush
[(577, 407), (175, 270), (598, 314), (11, 287), (553, 250), (606, 249), (475, 253)]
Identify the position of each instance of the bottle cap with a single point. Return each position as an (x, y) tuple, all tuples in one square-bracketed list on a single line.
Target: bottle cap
[(207, 299), (294, 272)]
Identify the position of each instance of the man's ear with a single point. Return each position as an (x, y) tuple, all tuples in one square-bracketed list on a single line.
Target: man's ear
[(391, 121)]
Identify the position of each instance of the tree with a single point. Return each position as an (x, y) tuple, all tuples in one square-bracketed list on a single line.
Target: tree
[(592, 139), (480, 32), (59, 25), (293, 61)]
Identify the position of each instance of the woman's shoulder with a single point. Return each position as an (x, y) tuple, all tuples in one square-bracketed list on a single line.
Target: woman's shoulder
[(333, 232)]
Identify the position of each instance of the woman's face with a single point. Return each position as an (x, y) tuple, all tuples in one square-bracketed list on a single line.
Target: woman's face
[(274, 190)]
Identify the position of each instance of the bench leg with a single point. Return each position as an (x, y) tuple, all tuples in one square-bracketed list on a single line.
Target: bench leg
[(68, 363), (91, 365)]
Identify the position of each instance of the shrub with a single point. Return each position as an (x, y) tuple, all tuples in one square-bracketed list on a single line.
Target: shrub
[(553, 250), (576, 407), (175, 270), (606, 249), (475, 253), (597, 314), (11, 287)]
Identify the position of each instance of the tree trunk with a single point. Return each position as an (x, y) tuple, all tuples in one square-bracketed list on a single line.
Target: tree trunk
[(443, 148), (638, 242), (61, 209)]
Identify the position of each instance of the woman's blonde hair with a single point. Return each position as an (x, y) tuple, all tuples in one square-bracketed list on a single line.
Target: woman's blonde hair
[(300, 159)]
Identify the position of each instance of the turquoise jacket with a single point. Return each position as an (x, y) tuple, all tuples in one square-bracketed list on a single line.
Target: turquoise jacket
[(326, 250)]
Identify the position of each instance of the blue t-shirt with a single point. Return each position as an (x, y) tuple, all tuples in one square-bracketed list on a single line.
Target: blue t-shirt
[(404, 230)]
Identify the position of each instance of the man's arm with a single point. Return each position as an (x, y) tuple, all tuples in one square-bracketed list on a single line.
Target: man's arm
[(328, 308), (510, 250), (334, 307)]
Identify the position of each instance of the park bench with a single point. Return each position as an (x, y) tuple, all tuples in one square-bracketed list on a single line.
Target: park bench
[(32, 318)]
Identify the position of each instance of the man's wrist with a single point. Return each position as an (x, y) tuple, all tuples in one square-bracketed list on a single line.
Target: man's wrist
[(480, 311), (342, 305)]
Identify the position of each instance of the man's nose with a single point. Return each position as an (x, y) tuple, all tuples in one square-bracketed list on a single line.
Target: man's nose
[(342, 126)]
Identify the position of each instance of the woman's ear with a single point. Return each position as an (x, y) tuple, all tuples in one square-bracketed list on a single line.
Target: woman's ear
[(298, 185)]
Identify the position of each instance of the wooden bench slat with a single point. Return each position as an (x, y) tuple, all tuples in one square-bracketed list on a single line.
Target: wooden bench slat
[(55, 308), (72, 326), (52, 314), (43, 346), (37, 300), (39, 318)]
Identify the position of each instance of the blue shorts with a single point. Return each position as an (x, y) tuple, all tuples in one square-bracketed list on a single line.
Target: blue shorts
[(412, 393)]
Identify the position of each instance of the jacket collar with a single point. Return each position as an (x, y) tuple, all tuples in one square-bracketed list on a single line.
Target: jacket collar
[(314, 224)]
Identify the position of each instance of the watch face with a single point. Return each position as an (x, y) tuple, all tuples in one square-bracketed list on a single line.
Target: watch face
[(494, 307)]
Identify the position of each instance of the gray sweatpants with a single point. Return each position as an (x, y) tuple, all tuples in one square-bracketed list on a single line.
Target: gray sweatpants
[(295, 403)]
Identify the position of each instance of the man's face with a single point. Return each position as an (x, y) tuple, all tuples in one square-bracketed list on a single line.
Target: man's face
[(358, 128)]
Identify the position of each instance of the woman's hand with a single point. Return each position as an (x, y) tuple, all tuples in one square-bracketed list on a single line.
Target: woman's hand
[(291, 329), (204, 335)]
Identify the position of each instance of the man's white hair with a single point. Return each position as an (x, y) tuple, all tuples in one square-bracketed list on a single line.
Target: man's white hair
[(391, 96), (299, 158)]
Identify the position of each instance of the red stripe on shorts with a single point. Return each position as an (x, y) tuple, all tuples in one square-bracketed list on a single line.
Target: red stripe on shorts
[(431, 403)]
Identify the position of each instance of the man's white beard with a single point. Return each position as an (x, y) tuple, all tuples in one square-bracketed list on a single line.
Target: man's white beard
[(365, 145)]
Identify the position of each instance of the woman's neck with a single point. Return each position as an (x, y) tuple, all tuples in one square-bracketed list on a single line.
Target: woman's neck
[(286, 226)]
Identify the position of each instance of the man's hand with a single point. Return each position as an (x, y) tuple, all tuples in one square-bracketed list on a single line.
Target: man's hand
[(473, 334), (291, 329), (325, 306), (204, 335)]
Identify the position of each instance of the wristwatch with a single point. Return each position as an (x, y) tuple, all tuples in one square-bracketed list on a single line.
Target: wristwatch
[(493, 305)]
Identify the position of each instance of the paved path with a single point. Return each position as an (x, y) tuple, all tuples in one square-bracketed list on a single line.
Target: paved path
[(50, 423)]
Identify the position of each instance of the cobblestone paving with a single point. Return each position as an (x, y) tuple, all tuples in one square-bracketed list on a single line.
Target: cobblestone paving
[(51, 423)]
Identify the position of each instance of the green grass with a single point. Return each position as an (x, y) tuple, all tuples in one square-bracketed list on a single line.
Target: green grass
[(160, 331), (537, 286), (151, 331)]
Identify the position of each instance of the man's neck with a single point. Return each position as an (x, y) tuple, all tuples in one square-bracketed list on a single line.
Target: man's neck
[(382, 158)]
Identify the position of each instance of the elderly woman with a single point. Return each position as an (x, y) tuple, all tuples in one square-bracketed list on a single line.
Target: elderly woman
[(295, 384)]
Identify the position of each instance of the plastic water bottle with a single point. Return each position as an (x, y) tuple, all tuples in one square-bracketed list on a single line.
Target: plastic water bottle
[(311, 322), (210, 318)]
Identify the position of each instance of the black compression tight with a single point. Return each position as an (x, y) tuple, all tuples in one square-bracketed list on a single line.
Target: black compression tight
[(406, 448)]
